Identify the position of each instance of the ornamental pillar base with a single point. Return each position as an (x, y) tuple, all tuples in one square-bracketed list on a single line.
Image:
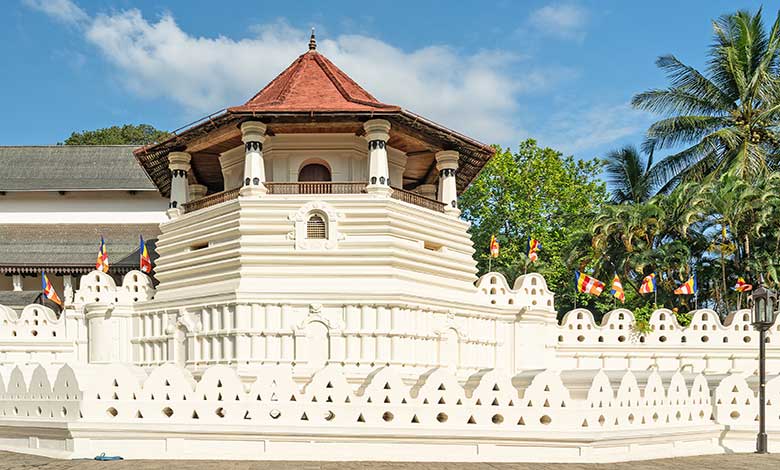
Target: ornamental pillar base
[(453, 211), (253, 191), (173, 212), (379, 190)]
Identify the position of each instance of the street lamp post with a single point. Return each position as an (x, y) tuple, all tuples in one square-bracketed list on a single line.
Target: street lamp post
[(764, 304)]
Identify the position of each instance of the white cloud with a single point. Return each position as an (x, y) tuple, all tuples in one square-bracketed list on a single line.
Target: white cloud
[(562, 20), (64, 11), (586, 130), (473, 93)]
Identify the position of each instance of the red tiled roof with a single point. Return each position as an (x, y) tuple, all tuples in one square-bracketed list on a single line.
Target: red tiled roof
[(313, 83)]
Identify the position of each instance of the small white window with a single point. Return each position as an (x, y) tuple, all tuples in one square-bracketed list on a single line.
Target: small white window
[(316, 229)]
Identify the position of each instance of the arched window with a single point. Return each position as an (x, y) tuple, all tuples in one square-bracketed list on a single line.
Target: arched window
[(315, 228), (314, 172)]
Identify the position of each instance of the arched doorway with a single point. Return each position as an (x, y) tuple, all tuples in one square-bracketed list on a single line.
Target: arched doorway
[(314, 172)]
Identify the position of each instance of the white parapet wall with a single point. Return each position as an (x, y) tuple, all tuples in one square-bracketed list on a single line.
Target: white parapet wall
[(490, 378), (707, 344), (538, 415)]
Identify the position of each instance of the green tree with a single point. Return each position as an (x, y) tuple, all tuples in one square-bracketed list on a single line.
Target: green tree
[(631, 176), (730, 116), (534, 192), (129, 134)]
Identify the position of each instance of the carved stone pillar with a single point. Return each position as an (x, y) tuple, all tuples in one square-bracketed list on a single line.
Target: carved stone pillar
[(179, 164), (253, 136), (377, 134), (447, 164)]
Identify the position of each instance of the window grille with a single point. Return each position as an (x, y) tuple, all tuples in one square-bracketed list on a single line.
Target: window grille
[(315, 228)]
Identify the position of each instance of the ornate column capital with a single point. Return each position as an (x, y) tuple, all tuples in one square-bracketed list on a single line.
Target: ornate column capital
[(179, 161), (377, 129), (447, 160), (253, 131)]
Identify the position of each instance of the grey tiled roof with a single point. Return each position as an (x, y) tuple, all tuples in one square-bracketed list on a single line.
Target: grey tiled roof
[(71, 248), (18, 299), (71, 168)]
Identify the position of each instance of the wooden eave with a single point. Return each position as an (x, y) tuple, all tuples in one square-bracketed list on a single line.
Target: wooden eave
[(410, 133)]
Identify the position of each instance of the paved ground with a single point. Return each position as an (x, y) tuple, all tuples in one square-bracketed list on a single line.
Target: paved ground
[(720, 462)]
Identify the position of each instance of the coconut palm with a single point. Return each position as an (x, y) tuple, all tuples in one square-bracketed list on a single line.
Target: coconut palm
[(728, 117), (630, 175)]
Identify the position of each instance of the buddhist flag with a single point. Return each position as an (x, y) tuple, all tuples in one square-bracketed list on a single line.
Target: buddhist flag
[(493, 247), (145, 262), (534, 245), (617, 289), (587, 284), (688, 287), (48, 290), (102, 258), (742, 286), (648, 284)]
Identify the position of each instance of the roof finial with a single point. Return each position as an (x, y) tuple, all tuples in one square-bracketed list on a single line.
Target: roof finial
[(312, 41)]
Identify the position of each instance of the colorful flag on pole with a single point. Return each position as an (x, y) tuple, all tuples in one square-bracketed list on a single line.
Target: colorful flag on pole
[(534, 246), (742, 286), (617, 289), (688, 287), (48, 290), (102, 258), (648, 284), (146, 261), (587, 284), (494, 247)]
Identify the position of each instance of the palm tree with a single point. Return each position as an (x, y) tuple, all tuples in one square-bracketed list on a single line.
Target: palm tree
[(728, 118), (631, 176)]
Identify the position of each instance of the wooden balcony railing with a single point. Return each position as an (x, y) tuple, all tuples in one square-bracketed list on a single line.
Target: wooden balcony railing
[(417, 199), (317, 187), (210, 200)]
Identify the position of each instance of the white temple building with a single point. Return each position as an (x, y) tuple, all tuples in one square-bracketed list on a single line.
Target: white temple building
[(316, 297)]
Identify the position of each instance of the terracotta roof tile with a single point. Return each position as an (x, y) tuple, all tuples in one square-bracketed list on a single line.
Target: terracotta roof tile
[(313, 83)]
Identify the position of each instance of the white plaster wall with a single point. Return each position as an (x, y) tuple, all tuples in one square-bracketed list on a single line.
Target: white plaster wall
[(345, 154), (82, 207)]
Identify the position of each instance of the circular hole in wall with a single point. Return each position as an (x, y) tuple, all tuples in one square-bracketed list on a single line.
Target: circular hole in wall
[(580, 338), (167, 411), (220, 412), (112, 412), (704, 339), (746, 339), (387, 416), (329, 416), (662, 339), (545, 420), (631, 419), (64, 412), (734, 414), (442, 417), (621, 338), (497, 419)]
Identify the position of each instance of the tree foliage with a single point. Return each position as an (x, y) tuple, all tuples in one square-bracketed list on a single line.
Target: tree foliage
[(727, 118), (128, 134), (534, 192)]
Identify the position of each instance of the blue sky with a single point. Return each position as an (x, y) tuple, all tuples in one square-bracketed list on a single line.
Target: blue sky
[(562, 72)]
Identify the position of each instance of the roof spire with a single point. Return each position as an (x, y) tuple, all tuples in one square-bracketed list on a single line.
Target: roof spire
[(312, 41)]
